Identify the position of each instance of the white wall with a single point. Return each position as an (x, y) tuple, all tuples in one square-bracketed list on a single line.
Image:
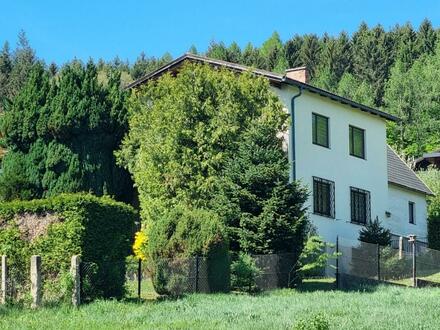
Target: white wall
[(335, 163), (398, 222)]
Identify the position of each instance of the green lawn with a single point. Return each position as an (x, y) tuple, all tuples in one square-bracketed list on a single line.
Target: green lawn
[(383, 307)]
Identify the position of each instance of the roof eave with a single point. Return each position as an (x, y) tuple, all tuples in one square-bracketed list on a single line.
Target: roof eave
[(427, 192)]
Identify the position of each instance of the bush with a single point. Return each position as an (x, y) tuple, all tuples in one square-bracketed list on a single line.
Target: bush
[(183, 233), (97, 228), (314, 258), (244, 273), (374, 233), (316, 322)]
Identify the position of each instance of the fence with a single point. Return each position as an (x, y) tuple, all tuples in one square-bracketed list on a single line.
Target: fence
[(411, 264)]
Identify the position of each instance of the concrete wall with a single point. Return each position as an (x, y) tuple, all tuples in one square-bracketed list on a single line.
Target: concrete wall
[(336, 164)]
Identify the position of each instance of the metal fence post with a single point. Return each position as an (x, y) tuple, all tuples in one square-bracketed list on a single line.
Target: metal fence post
[(378, 262), (139, 278), (197, 274), (4, 285), (36, 281), (412, 240), (337, 263), (75, 266)]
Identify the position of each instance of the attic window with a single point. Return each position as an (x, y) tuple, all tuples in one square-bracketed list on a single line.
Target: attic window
[(357, 142), (320, 130)]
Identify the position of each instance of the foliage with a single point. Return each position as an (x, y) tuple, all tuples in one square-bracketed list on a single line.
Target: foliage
[(98, 229), (181, 234), (314, 258), (315, 322), (374, 233), (244, 273), (61, 133), (266, 214), (431, 177), (140, 245)]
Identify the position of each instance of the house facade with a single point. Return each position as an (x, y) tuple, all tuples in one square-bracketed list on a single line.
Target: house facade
[(338, 148)]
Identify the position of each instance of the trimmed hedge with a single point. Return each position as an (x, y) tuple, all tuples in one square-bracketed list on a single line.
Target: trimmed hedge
[(97, 228)]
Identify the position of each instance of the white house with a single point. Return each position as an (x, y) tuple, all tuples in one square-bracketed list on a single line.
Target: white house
[(338, 148)]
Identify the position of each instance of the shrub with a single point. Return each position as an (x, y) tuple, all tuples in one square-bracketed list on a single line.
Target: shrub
[(374, 233), (244, 273), (97, 228), (315, 322), (183, 233), (314, 258)]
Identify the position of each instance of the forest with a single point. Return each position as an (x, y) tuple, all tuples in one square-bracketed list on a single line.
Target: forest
[(396, 70)]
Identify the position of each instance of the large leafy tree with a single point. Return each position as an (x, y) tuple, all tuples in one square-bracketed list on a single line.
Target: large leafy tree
[(60, 134), (190, 146)]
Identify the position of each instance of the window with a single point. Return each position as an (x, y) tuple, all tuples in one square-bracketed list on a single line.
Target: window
[(357, 142), (411, 212), (320, 130), (323, 197), (360, 205)]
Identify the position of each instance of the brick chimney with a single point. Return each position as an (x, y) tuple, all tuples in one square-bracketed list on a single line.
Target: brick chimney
[(300, 74)]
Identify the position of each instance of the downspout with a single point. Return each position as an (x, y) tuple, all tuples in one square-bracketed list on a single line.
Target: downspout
[(291, 149)]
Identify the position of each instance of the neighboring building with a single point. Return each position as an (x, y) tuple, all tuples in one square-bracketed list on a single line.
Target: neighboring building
[(338, 148), (427, 160)]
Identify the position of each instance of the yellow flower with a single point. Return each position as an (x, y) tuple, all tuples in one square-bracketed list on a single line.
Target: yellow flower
[(140, 245)]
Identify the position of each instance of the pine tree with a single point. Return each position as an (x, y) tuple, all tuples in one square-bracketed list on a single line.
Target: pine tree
[(426, 38), (292, 51), (374, 233), (5, 71), (23, 60), (310, 53)]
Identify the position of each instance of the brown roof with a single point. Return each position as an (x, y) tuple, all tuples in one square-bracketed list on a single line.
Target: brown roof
[(274, 78), (401, 175)]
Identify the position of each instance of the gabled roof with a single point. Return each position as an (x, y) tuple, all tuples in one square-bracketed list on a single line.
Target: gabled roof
[(401, 175), (274, 78)]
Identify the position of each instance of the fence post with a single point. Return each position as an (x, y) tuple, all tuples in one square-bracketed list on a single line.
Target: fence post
[(4, 285), (75, 265), (139, 278), (197, 274), (337, 262), (412, 240), (378, 262), (36, 281), (400, 248)]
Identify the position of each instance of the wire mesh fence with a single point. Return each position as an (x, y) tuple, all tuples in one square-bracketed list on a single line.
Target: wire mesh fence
[(410, 264)]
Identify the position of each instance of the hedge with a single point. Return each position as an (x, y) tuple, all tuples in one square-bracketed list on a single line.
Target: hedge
[(180, 235), (97, 228)]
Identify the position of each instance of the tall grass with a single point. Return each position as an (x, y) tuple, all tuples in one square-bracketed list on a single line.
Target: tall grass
[(384, 307)]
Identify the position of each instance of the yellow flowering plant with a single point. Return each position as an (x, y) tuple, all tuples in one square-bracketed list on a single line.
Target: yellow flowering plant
[(140, 245)]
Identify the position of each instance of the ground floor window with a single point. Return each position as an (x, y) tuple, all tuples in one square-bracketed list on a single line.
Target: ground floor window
[(360, 205), (411, 211), (323, 197)]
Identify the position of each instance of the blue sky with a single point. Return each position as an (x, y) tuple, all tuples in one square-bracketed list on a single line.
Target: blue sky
[(61, 30)]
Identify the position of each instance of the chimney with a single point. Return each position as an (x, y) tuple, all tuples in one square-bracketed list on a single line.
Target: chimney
[(300, 74)]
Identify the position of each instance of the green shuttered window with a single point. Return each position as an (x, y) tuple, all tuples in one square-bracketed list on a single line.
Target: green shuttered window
[(357, 142), (320, 130)]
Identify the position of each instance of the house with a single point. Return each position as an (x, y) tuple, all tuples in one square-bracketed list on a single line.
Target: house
[(428, 160), (338, 148)]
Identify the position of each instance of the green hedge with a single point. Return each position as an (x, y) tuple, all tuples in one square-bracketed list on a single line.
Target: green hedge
[(176, 238), (434, 223), (97, 228)]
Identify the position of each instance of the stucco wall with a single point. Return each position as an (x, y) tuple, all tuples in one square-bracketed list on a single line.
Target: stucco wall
[(398, 222), (336, 163)]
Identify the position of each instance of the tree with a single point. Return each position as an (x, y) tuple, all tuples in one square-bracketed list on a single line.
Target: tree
[(374, 233), (310, 53), (270, 215), (220, 154), (273, 53), (5, 71), (23, 60), (413, 96), (61, 134)]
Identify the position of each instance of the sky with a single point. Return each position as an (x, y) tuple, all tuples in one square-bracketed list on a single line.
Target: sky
[(62, 30)]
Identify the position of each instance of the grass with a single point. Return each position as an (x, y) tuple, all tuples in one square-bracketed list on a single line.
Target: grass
[(382, 307)]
